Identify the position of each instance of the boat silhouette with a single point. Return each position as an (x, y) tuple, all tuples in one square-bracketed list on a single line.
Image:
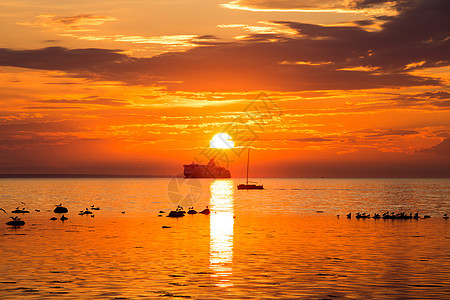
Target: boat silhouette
[(210, 170), (249, 185)]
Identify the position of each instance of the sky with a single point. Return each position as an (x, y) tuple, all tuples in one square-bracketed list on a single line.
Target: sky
[(352, 88)]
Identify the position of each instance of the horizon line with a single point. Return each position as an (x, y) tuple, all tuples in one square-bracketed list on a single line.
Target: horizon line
[(82, 175)]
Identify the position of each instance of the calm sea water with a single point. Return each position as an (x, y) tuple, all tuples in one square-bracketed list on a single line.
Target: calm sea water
[(282, 242)]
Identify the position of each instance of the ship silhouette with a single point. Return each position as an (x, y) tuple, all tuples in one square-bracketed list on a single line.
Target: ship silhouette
[(210, 170)]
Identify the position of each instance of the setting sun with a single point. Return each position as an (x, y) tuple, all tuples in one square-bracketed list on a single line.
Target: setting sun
[(222, 141)]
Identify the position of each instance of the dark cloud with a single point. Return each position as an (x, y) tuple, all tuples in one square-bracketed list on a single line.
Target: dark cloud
[(317, 58), (59, 58), (442, 148), (394, 132), (398, 4), (364, 22), (435, 95)]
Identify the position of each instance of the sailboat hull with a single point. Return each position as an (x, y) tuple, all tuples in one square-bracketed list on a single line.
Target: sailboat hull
[(250, 187)]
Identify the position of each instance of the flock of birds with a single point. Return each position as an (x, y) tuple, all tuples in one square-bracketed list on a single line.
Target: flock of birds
[(180, 212), (390, 216), (59, 209)]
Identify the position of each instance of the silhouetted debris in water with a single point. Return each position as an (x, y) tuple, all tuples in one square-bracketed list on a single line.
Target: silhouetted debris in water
[(19, 210), (59, 209), (95, 208), (161, 212), (166, 226), (53, 218), (16, 221), (3, 210), (85, 212), (445, 216), (63, 218)]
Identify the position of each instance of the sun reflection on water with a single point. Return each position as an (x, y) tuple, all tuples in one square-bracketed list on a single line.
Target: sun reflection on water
[(221, 230)]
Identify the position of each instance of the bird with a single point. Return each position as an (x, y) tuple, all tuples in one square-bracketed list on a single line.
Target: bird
[(445, 216), (349, 215), (206, 211), (192, 211)]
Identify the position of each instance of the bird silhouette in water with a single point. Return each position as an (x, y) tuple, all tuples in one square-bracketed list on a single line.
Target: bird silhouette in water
[(445, 216), (192, 211), (206, 211)]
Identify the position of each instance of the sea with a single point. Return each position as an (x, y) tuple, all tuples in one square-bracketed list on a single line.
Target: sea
[(291, 240)]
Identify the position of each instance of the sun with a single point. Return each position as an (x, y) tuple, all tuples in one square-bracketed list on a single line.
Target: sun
[(221, 141)]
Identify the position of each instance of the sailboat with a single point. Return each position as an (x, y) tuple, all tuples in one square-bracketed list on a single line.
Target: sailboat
[(247, 185)]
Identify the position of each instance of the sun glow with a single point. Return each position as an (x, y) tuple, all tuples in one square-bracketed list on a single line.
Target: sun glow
[(222, 141)]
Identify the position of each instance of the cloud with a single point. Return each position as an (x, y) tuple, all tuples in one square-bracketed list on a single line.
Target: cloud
[(394, 132), (313, 139), (435, 95), (443, 148), (287, 5), (310, 57), (82, 22), (88, 101), (343, 6)]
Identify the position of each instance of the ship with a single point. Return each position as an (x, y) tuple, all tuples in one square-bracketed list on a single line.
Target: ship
[(210, 170)]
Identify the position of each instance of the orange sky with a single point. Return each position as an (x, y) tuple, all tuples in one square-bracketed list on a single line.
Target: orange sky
[(140, 87)]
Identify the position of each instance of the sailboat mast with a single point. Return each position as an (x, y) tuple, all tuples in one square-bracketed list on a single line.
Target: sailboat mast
[(248, 162)]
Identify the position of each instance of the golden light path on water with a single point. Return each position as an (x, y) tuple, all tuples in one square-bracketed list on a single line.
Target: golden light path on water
[(221, 231)]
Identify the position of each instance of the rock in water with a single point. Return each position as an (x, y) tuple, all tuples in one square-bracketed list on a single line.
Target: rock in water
[(206, 211), (16, 221), (60, 209), (176, 214)]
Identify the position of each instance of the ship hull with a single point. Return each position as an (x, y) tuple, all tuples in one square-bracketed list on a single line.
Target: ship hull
[(205, 171), (250, 187)]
